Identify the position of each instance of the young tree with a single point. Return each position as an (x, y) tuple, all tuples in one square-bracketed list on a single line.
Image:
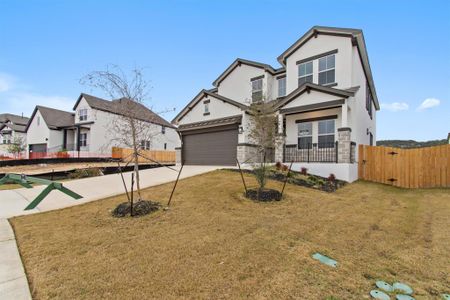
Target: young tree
[(132, 121), (263, 134), (17, 146)]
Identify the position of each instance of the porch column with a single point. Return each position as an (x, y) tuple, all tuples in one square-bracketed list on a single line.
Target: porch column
[(279, 143), (344, 116), (344, 144)]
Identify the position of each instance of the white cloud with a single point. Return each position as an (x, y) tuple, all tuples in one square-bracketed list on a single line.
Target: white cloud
[(395, 106), (25, 102), (6, 82), (428, 103)]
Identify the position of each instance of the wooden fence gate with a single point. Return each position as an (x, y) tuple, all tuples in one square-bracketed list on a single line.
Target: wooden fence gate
[(408, 168)]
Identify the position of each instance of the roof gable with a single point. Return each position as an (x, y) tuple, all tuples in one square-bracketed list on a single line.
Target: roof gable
[(357, 38), (53, 118), (199, 97), (307, 87), (239, 61)]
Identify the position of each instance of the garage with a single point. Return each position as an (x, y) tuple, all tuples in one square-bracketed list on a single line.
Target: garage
[(210, 146), (37, 150)]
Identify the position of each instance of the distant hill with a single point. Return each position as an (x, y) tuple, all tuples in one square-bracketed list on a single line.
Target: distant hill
[(410, 143)]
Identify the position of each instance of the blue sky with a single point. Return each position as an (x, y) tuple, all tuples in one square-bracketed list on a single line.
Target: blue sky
[(47, 46)]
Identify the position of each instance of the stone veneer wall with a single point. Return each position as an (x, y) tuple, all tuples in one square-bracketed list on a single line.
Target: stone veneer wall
[(344, 144)]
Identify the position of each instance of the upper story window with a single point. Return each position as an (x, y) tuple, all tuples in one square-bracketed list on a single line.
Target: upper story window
[(163, 129), (326, 133), (83, 114), (257, 94), (206, 107), (38, 120), (305, 72), (282, 87), (326, 69), (368, 100), (304, 135)]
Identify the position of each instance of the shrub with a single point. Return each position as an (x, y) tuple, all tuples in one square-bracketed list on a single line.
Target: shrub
[(332, 178), (84, 173), (304, 171), (278, 165), (261, 178), (284, 168)]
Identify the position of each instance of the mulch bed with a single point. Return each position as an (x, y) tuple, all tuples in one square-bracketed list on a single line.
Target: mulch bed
[(265, 195), (140, 208), (314, 182)]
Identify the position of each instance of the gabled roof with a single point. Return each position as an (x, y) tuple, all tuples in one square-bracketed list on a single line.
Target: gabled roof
[(306, 87), (13, 119), (199, 96), (54, 118), (240, 61), (357, 39), (14, 127), (212, 123), (116, 106)]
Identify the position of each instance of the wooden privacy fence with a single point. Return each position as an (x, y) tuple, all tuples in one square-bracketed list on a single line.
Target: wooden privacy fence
[(408, 168), (161, 156)]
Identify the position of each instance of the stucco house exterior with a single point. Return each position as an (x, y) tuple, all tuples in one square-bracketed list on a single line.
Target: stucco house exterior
[(12, 127), (323, 94), (89, 131)]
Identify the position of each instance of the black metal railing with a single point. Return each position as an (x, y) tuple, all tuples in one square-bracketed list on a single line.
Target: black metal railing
[(315, 152)]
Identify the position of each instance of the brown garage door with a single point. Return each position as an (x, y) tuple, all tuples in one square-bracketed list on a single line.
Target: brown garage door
[(216, 147)]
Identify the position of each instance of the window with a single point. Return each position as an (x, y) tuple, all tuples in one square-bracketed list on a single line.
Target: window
[(305, 72), (326, 69), (326, 134), (282, 87), (83, 114), (368, 100), (145, 145), (305, 135), (257, 90), (83, 139), (206, 111), (163, 129), (38, 120)]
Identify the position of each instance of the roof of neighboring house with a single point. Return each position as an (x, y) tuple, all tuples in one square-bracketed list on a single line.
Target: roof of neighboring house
[(14, 127), (54, 118), (116, 106), (306, 87), (199, 96), (211, 123), (357, 39), (241, 61), (13, 119)]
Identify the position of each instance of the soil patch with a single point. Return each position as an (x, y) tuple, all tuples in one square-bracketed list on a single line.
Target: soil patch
[(264, 195)]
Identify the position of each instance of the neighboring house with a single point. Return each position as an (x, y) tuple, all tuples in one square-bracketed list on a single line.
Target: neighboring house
[(89, 131), (12, 127), (323, 94), (448, 138)]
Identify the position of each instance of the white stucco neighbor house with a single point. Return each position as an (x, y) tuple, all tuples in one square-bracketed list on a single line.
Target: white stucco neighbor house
[(12, 128), (323, 94), (89, 131)]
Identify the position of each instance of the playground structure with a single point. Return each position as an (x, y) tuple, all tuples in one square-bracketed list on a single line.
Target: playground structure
[(26, 182)]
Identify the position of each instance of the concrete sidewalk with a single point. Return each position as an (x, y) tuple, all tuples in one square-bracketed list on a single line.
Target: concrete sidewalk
[(13, 281)]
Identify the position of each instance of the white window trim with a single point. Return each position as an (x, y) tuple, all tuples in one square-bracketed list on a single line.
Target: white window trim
[(328, 133), (83, 114), (308, 74), (305, 136), (83, 141), (279, 85)]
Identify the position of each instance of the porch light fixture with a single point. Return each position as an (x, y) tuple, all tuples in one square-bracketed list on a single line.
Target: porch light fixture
[(241, 129)]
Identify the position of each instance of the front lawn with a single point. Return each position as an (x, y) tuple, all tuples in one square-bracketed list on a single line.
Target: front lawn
[(213, 243)]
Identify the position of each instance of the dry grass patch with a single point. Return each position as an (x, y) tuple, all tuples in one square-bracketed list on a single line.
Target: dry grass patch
[(214, 243)]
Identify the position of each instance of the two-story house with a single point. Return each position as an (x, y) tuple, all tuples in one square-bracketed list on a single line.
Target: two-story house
[(12, 129), (323, 94), (90, 131)]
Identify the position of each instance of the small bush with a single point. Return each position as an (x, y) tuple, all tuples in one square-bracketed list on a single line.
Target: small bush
[(331, 178), (85, 173), (304, 171), (284, 168), (278, 165)]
